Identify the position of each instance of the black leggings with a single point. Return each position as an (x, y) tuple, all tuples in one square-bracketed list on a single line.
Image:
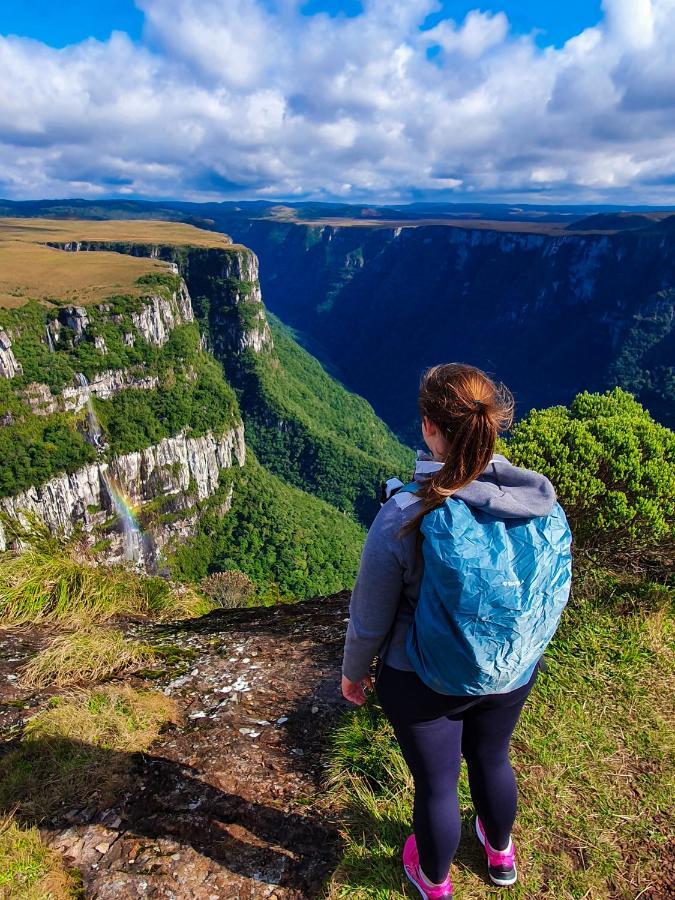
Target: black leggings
[(434, 731)]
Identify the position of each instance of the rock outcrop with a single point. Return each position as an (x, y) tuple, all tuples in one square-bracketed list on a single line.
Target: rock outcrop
[(178, 467), (104, 385), (230, 803), (76, 318), (160, 315), (9, 367)]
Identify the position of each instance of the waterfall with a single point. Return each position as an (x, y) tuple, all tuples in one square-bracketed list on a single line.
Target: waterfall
[(50, 342), (133, 535)]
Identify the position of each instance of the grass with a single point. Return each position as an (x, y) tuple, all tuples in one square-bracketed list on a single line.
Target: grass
[(86, 656), (53, 581), (28, 869), (595, 756), (79, 750), (31, 270)]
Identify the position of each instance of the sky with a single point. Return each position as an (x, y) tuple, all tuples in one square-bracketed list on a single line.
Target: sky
[(375, 101)]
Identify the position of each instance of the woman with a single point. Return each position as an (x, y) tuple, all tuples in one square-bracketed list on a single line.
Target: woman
[(458, 649)]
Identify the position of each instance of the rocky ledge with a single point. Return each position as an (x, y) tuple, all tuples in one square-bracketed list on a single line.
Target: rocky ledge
[(229, 803)]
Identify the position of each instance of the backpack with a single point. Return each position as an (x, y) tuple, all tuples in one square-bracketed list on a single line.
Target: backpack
[(492, 593)]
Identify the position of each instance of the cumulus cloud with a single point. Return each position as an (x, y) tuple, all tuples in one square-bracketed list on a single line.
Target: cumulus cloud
[(254, 99)]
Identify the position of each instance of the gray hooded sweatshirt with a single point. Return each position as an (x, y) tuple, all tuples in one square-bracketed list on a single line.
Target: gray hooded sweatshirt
[(388, 583)]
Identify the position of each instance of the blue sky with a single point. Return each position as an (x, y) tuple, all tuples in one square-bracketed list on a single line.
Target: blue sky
[(355, 100), (71, 21)]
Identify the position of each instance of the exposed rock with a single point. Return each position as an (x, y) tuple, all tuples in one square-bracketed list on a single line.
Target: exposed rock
[(40, 399), (100, 344), (9, 366), (160, 315), (75, 318), (229, 804), (105, 385), (176, 466)]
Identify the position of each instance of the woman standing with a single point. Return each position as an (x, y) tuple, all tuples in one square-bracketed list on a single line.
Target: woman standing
[(462, 580)]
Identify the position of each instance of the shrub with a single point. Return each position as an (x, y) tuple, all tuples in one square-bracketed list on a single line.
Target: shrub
[(228, 589), (81, 747), (613, 468), (85, 656), (53, 580)]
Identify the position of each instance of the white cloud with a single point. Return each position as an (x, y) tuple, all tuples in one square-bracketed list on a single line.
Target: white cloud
[(233, 99)]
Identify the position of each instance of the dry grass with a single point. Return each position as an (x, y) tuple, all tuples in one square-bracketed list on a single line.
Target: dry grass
[(114, 718), (53, 583), (86, 657), (28, 869), (30, 270), (79, 751)]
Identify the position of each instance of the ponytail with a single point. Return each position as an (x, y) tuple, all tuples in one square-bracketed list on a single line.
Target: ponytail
[(470, 410)]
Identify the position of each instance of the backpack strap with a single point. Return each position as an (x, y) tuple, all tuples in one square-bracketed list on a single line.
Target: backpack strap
[(406, 495)]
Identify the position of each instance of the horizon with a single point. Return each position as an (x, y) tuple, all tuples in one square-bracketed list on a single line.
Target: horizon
[(340, 101)]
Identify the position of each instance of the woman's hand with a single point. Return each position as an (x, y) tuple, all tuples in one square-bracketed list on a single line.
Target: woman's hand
[(355, 691)]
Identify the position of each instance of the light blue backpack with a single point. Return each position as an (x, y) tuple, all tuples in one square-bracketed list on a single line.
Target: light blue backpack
[(491, 597)]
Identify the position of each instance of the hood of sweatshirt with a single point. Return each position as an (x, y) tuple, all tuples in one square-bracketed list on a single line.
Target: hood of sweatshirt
[(502, 489)]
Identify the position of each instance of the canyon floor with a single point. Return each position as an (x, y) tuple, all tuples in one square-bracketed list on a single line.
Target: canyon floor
[(229, 802)]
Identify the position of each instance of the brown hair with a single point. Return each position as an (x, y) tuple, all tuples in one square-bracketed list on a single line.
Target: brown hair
[(470, 410)]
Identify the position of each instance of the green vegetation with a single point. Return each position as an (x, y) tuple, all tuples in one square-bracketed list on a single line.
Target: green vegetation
[(309, 430), (595, 756), (644, 365), (39, 448), (287, 541), (192, 395), (197, 402), (85, 656), (53, 581), (28, 869), (79, 750), (614, 470)]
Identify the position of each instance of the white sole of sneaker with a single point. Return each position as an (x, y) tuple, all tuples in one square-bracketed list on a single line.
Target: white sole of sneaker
[(415, 884), (500, 882)]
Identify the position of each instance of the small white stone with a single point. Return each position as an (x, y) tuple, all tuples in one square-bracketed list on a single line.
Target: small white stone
[(282, 719), (200, 714)]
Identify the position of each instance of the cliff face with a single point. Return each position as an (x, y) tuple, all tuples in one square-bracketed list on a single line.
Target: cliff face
[(548, 314), (165, 482), (9, 367), (179, 470)]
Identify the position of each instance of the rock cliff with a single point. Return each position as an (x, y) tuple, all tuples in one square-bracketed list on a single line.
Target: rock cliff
[(223, 281), (9, 367), (175, 474), (577, 309), (180, 470)]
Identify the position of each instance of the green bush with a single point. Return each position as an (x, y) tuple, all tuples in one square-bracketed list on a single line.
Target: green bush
[(613, 468)]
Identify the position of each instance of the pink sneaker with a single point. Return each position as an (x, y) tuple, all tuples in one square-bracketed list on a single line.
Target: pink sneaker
[(501, 863), (411, 867)]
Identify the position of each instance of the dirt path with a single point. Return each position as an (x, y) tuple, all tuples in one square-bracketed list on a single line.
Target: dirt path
[(225, 804)]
